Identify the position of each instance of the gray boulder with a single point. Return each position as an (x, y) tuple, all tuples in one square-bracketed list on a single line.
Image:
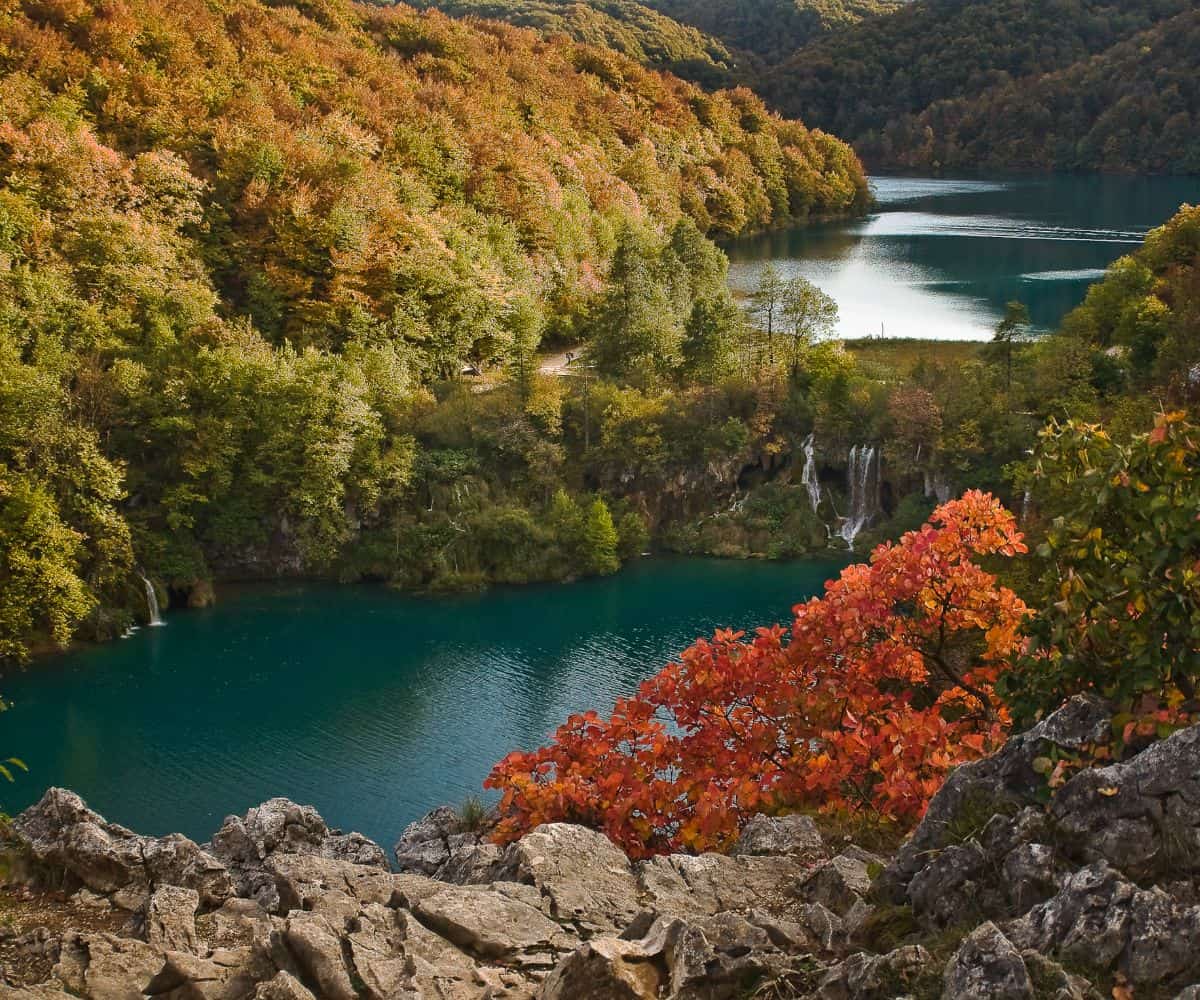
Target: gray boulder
[(1142, 816), (62, 833), (106, 967), (1000, 785), (876, 977), (777, 835), (439, 845), (493, 926), (281, 827), (839, 883), (171, 918), (987, 967), (1100, 920), (586, 878)]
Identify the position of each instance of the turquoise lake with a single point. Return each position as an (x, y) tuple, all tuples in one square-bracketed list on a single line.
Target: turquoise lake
[(372, 705), (940, 258)]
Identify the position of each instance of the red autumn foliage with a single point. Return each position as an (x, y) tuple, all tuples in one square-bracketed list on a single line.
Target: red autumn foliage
[(878, 689)]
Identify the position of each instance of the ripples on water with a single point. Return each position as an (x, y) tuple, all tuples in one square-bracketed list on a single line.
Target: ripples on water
[(371, 705), (940, 258)]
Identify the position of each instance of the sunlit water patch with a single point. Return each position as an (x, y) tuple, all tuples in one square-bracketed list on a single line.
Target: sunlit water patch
[(940, 258)]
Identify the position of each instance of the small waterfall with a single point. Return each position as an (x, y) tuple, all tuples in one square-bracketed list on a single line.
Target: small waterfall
[(1026, 499), (809, 476), (152, 603), (863, 486)]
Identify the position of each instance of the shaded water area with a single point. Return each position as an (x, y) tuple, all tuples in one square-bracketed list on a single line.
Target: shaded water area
[(372, 705), (940, 258)]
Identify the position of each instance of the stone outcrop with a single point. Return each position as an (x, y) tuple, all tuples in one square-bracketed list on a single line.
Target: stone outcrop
[(1004, 891), (277, 828), (61, 833)]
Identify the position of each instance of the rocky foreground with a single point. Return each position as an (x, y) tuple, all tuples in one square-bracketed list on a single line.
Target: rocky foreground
[(1004, 891)]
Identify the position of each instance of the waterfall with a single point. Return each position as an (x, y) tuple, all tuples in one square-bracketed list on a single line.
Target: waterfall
[(809, 476), (1026, 498), (863, 487), (152, 603)]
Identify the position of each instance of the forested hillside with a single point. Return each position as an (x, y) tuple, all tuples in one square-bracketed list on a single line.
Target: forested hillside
[(1135, 106), (630, 28), (246, 250), (1089, 84), (771, 30)]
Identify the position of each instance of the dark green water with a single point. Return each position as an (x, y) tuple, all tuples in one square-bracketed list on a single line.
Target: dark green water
[(369, 704), (940, 258)]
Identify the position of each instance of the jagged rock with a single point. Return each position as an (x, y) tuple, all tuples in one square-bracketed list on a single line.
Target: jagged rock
[(237, 922), (40, 992), (952, 889), (605, 969), (225, 974), (438, 845), (375, 940), (61, 832), (1100, 920), (439, 968), (471, 863), (689, 886), (812, 928), (1189, 993), (1142, 816), (318, 949), (778, 835), (171, 918), (284, 986), (106, 967), (281, 827), (1053, 982), (1032, 874), (586, 877), (987, 967), (875, 977), (301, 879), (839, 883), (493, 926), (1003, 782)]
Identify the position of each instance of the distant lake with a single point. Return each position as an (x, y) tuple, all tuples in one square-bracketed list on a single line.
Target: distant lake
[(372, 705), (940, 258)]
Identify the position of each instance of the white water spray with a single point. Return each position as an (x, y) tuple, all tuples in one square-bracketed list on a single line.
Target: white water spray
[(809, 476), (862, 477), (152, 603)]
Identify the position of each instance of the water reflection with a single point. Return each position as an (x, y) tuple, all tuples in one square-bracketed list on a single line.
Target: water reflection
[(371, 705), (940, 258)]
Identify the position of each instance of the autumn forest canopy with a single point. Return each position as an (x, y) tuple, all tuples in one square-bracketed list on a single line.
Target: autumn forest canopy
[(248, 248), (434, 296)]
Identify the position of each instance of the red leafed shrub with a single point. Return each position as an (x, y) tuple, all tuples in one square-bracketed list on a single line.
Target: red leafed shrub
[(879, 688)]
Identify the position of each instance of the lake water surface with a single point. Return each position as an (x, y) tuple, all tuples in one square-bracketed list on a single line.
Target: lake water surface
[(940, 258), (371, 705)]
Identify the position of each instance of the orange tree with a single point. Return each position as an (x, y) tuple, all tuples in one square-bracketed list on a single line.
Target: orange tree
[(877, 690)]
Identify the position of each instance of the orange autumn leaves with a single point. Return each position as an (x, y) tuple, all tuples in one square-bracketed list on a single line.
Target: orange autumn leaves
[(877, 690)]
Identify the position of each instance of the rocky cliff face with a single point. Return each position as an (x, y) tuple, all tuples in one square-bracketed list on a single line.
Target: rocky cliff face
[(1003, 891)]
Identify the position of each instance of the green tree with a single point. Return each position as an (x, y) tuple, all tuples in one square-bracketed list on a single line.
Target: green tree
[(633, 535), (809, 313), (710, 336), (600, 541), (1012, 328), (766, 304), (1119, 581), (636, 334)]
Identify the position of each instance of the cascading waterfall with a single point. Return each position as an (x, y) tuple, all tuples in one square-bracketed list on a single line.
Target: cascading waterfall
[(152, 603), (809, 476), (1026, 499), (863, 486)]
